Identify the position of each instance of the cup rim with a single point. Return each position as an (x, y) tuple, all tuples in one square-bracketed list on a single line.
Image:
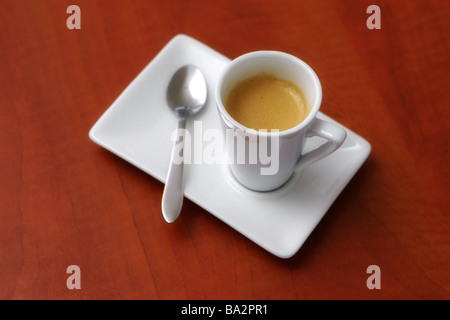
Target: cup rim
[(317, 87)]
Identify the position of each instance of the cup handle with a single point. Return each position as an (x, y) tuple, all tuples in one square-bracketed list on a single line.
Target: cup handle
[(326, 130)]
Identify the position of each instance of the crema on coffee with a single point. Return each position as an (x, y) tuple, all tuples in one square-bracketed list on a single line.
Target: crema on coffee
[(267, 102)]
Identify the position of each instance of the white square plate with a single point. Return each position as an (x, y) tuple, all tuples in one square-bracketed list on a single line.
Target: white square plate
[(137, 127)]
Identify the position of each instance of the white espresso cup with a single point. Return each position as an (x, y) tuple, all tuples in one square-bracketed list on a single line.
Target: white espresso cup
[(276, 155)]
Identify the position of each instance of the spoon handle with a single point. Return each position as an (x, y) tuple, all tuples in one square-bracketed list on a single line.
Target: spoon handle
[(172, 199)]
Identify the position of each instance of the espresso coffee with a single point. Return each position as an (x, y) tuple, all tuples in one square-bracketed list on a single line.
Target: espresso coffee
[(267, 102)]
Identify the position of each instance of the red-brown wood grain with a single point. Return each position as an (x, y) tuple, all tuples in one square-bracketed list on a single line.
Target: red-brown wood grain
[(65, 201)]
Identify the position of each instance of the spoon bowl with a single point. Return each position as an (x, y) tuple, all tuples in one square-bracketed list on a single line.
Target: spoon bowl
[(187, 90)]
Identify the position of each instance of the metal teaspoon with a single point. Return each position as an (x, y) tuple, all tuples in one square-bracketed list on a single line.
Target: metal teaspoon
[(186, 95)]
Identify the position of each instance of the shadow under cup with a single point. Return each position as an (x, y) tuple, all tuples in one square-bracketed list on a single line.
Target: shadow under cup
[(277, 152)]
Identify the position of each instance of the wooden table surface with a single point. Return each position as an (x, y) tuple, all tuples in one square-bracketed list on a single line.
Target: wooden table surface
[(65, 201)]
